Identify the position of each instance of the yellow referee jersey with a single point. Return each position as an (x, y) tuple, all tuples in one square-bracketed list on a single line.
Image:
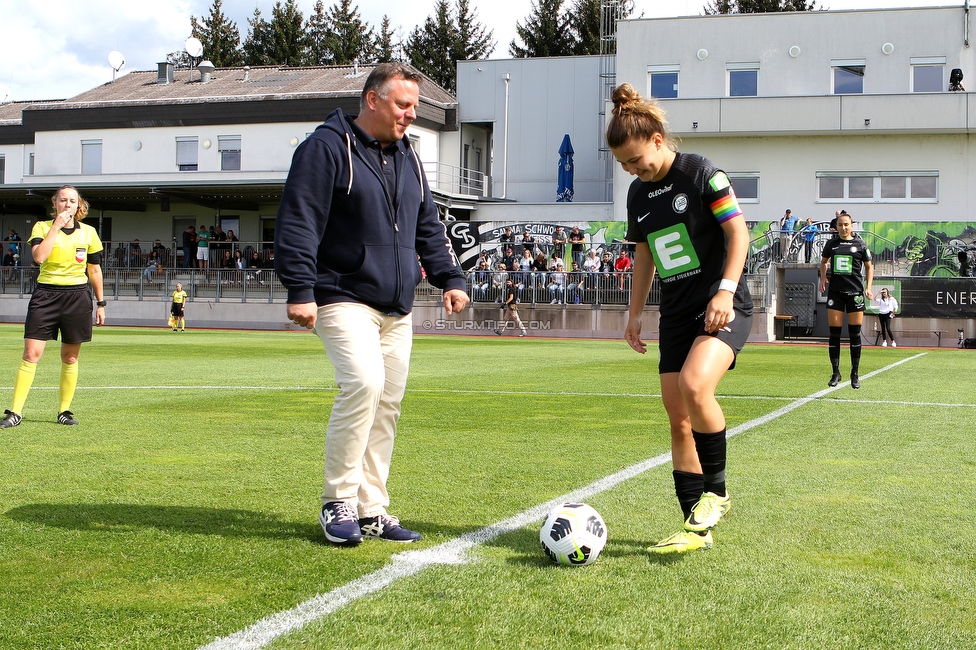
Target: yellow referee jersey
[(179, 297), (68, 263)]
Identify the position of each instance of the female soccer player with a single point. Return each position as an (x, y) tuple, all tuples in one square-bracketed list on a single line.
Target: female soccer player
[(684, 217), (176, 310), (846, 254), (70, 256)]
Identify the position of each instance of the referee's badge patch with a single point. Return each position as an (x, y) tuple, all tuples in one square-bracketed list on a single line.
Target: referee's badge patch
[(79, 255)]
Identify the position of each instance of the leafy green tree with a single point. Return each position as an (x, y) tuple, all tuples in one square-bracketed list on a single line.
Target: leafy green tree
[(757, 6), (286, 34), (219, 35), (255, 47), (319, 37), (546, 32), (353, 37)]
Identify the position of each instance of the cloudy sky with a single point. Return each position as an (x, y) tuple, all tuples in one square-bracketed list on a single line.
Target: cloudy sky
[(54, 49)]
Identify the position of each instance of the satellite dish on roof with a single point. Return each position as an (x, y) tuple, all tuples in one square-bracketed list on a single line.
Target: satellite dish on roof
[(193, 47), (117, 61)]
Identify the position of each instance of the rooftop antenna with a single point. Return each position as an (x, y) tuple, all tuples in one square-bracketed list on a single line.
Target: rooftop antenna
[(117, 61), (4, 94), (194, 48)]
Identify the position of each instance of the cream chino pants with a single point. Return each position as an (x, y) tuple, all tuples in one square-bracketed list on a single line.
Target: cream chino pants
[(371, 355)]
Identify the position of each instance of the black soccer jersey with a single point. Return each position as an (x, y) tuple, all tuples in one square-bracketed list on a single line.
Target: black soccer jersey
[(680, 218), (847, 258)]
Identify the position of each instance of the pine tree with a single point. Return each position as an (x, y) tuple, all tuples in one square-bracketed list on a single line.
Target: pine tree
[(220, 37), (353, 37), (584, 21), (255, 47), (474, 40), (319, 37), (446, 37), (386, 50), (757, 6), (286, 34), (430, 47), (546, 32)]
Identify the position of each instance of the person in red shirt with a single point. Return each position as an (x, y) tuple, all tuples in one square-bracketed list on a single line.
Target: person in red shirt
[(622, 265)]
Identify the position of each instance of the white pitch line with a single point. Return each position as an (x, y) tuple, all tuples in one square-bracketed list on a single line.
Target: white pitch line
[(410, 563)]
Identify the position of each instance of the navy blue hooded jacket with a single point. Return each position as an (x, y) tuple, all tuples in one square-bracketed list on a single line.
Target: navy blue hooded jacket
[(339, 237)]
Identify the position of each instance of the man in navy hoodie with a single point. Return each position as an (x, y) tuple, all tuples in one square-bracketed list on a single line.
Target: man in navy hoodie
[(355, 214)]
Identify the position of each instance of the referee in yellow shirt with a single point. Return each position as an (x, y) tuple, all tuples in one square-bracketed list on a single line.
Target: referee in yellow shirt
[(177, 309), (70, 255)]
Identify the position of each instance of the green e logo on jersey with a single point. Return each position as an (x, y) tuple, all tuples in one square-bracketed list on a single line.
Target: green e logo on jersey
[(843, 264), (673, 251)]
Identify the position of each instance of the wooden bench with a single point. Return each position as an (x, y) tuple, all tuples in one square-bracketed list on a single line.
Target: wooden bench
[(788, 321), (908, 334)]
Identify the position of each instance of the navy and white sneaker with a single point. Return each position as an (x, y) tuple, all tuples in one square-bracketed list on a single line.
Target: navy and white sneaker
[(387, 527), (339, 523)]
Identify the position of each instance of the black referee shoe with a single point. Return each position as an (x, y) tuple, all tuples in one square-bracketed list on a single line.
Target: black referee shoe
[(10, 419), (68, 418)]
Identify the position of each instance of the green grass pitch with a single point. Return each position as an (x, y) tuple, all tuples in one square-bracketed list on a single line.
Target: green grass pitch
[(183, 509)]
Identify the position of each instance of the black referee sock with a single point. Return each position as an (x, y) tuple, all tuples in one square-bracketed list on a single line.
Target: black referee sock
[(855, 332), (833, 348), (711, 454), (688, 487)]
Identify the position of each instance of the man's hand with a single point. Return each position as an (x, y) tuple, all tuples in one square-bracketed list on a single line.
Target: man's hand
[(455, 300), (303, 314)]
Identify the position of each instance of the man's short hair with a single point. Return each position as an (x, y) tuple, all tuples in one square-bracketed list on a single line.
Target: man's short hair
[(382, 74)]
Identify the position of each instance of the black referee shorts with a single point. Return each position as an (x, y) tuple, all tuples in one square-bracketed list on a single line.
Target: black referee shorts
[(54, 309), (176, 309), (676, 341)]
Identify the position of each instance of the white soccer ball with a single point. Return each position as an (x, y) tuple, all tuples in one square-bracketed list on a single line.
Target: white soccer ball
[(573, 534)]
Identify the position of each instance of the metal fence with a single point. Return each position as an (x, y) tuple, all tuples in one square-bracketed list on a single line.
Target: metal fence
[(170, 255), (133, 284)]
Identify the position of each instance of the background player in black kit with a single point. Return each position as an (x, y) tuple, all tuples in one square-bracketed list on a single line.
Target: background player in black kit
[(846, 255), (684, 217)]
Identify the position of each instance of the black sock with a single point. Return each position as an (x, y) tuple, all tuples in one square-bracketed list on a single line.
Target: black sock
[(688, 487), (711, 455), (833, 348), (855, 332)]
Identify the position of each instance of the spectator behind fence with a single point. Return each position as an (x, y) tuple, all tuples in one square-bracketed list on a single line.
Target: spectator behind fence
[(14, 240), (576, 240), (809, 233), (575, 285), (510, 260), (203, 247), (559, 240), (786, 225), (527, 242), (189, 247), (255, 266), (592, 266), (557, 284), (153, 264), (622, 266), (480, 281)]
